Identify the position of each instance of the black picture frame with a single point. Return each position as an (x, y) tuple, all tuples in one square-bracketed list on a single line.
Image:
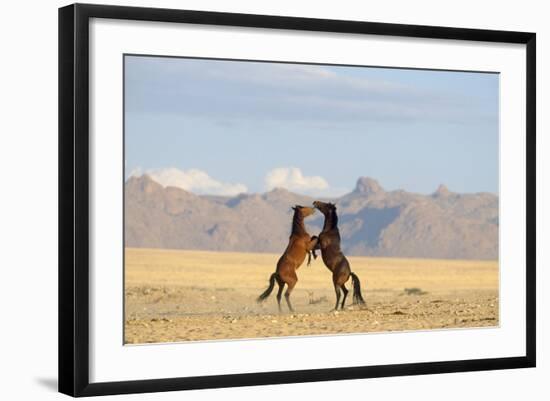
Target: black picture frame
[(74, 198)]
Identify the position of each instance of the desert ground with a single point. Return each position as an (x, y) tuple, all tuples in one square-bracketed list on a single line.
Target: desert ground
[(175, 295)]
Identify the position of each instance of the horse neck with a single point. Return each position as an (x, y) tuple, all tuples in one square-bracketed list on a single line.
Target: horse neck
[(298, 226), (331, 221)]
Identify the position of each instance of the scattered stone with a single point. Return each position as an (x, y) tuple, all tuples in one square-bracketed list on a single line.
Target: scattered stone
[(414, 291)]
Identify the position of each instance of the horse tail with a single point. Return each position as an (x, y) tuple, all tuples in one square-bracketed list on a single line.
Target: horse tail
[(357, 297), (266, 293)]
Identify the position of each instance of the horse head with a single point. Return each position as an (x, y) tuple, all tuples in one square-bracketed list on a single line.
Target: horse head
[(304, 211), (325, 207)]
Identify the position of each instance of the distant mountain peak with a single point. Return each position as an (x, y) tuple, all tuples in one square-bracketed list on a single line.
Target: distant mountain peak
[(368, 186), (441, 191), (284, 196), (279, 190), (144, 182)]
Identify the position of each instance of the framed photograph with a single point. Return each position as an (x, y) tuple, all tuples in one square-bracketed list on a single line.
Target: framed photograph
[(252, 199)]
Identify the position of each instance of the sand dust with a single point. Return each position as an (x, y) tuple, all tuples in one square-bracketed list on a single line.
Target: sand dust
[(174, 295)]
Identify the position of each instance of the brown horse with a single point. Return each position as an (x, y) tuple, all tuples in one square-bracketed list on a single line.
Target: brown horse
[(334, 259), (300, 244)]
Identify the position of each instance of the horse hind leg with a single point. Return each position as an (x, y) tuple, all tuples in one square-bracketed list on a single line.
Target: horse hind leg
[(280, 293), (345, 291), (338, 294), (289, 289), (339, 278)]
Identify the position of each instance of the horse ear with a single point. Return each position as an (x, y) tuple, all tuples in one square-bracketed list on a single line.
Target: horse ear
[(293, 207)]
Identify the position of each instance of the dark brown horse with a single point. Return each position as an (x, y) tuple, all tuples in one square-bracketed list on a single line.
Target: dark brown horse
[(300, 244), (334, 259)]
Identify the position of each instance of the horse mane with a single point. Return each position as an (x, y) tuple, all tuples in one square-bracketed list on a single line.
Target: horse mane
[(298, 222), (331, 219)]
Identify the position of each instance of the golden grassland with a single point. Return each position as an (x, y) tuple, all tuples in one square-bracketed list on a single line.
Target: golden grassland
[(177, 295)]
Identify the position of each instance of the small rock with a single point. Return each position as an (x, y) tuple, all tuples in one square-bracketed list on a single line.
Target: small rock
[(274, 321)]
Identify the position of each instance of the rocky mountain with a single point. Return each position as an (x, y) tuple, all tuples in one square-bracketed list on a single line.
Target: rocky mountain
[(372, 221)]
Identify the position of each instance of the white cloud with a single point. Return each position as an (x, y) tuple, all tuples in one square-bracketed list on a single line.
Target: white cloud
[(291, 178), (193, 180)]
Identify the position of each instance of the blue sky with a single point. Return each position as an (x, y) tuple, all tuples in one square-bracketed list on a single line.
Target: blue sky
[(224, 127)]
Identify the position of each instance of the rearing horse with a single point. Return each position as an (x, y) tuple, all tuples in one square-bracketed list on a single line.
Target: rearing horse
[(300, 244), (334, 259)]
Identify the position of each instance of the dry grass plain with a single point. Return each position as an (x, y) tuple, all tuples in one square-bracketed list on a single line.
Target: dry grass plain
[(175, 295)]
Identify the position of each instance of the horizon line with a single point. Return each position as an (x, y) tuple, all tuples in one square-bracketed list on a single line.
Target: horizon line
[(440, 187)]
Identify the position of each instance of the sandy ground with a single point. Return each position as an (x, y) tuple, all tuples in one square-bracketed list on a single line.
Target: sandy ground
[(173, 296)]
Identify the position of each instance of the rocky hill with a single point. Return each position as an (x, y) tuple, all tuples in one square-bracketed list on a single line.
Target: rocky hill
[(372, 221)]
